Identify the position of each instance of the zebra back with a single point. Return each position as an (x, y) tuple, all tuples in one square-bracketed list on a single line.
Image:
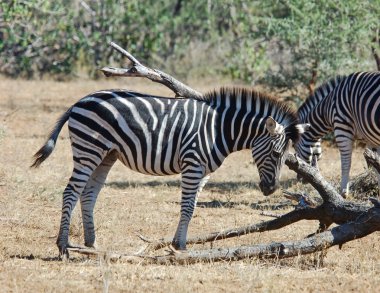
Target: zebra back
[(319, 94)]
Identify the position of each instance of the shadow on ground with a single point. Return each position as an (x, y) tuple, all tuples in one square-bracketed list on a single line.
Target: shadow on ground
[(225, 186), (220, 188), (48, 259)]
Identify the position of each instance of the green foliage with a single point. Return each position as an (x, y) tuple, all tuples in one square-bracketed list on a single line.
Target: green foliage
[(36, 36), (281, 43), (318, 38)]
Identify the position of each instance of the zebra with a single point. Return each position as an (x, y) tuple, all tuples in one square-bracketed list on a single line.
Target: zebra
[(348, 106), (164, 136)]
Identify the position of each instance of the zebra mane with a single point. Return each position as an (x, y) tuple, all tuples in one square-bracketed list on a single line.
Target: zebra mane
[(246, 93), (282, 110), (321, 92)]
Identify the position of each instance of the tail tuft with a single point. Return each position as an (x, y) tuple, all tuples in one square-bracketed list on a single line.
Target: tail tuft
[(43, 153)]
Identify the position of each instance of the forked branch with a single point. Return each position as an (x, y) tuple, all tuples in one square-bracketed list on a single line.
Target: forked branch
[(355, 220), (155, 75), (333, 210), (363, 226)]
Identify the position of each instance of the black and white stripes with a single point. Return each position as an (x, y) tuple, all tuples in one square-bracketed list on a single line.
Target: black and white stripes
[(349, 106), (164, 136)]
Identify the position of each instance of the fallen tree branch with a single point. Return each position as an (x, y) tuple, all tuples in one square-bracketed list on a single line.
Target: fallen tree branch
[(363, 226), (312, 176), (372, 159), (155, 75), (333, 210), (277, 223), (356, 220)]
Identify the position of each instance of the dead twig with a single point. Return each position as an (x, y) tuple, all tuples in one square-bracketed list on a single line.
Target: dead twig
[(155, 75), (355, 220), (372, 159), (365, 225), (269, 214), (303, 199)]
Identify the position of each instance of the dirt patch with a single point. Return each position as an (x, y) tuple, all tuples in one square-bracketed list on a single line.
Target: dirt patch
[(30, 203)]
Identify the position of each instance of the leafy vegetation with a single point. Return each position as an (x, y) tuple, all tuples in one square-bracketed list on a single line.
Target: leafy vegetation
[(280, 43)]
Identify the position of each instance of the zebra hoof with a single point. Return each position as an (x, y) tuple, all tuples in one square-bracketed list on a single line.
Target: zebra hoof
[(173, 250), (90, 245), (63, 254), (176, 246), (64, 251)]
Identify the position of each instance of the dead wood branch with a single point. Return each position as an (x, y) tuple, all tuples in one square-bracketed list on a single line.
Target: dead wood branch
[(277, 223), (368, 223), (304, 200), (333, 210), (372, 159), (356, 220), (155, 75)]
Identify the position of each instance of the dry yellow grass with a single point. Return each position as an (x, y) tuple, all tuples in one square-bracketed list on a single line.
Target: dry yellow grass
[(130, 202)]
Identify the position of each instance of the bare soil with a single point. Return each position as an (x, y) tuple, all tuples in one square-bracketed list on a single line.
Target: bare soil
[(130, 203)]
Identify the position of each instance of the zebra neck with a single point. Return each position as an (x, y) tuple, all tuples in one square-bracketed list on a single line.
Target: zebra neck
[(320, 118), (237, 129)]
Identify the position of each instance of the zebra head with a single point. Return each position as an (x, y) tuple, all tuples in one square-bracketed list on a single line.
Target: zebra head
[(269, 152)]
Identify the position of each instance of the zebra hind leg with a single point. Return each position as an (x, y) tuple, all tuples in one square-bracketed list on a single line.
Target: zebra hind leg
[(192, 183), (70, 197), (90, 194), (77, 183)]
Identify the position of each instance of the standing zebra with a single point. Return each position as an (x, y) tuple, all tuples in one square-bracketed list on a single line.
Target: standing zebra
[(348, 105), (165, 136)]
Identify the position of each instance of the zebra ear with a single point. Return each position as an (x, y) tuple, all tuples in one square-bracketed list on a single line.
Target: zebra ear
[(303, 127), (273, 127)]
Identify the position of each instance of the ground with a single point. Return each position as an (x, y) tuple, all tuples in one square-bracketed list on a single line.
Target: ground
[(130, 203)]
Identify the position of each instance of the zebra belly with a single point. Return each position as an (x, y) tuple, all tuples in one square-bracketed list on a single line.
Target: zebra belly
[(368, 133), (167, 170)]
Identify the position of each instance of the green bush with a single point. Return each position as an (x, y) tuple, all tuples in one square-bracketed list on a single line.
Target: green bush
[(283, 44)]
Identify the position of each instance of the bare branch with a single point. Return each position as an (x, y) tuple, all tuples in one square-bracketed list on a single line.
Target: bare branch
[(333, 210), (312, 175), (277, 223), (303, 199), (372, 159), (140, 70), (355, 220), (365, 225), (125, 53)]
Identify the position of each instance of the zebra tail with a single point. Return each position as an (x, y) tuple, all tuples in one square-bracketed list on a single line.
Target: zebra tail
[(45, 151)]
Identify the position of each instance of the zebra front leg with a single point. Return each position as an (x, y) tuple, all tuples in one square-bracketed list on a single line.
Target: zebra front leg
[(192, 183), (345, 148), (89, 196), (202, 184)]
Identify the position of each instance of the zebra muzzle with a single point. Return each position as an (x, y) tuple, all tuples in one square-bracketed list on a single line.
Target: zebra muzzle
[(268, 188)]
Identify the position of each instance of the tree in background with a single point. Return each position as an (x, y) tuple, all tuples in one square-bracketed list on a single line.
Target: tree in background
[(310, 41), (36, 37), (283, 44)]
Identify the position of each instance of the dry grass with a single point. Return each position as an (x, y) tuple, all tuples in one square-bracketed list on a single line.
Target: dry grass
[(30, 210)]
